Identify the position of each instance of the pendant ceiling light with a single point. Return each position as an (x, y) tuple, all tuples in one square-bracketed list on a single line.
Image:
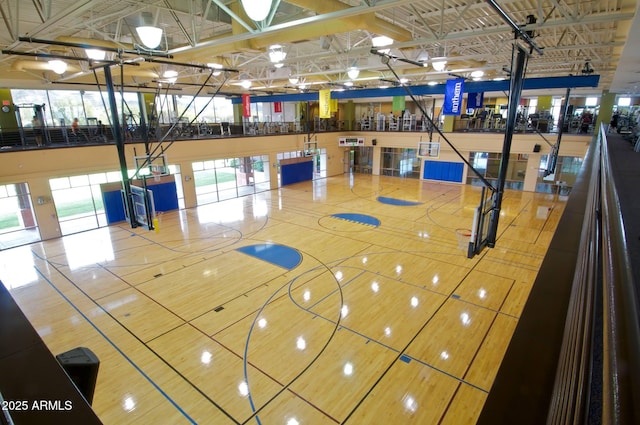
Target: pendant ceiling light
[(439, 65), (96, 54), (217, 68), (171, 75), (258, 10), (382, 41), (150, 36), (277, 53), (440, 61), (58, 66), (477, 74), (353, 72)]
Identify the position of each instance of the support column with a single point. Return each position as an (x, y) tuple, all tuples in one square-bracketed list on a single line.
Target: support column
[(349, 115), (449, 122), (117, 135), (607, 102), (517, 81)]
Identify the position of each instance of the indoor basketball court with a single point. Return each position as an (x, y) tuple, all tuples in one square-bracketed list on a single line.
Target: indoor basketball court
[(344, 300)]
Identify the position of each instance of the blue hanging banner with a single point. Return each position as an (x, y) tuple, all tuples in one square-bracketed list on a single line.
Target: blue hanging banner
[(475, 100), (453, 97)]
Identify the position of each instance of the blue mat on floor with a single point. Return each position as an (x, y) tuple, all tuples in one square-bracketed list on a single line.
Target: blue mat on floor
[(397, 202), (278, 255), (367, 220)]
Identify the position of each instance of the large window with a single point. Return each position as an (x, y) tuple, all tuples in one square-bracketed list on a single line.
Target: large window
[(220, 179), (17, 222), (320, 164), (488, 165), (78, 201), (564, 178), (170, 107), (363, 159), (62, 106), (400, 162)]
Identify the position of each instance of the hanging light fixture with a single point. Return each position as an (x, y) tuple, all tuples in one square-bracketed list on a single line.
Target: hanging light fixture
[(353, 72), (95, 54), (424, 58), (245, 84), (381, 41), (149, 36), (170, 75), (277, 53), (58, 66), (440, 61), (439, 64), (477, 74), (293, 79), (217, 67), (257, 10)]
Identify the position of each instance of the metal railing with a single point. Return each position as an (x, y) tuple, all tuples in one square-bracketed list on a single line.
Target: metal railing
[(603, 292), (621, 386)]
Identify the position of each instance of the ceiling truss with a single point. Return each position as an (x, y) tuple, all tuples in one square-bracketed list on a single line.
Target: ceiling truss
[(322, 39)]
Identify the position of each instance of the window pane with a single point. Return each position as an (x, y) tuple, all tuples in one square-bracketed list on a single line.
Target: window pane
[(98, 178), (77, 181), (61, 183), (66, 105), (114, 176), (11, 190)]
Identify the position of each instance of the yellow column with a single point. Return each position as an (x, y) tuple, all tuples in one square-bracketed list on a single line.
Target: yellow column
[(449, 121), (607, 102), (8, 119)]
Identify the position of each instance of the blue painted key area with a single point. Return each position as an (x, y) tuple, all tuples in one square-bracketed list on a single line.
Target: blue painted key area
[(397, 202), (278, 255), (367, 220)]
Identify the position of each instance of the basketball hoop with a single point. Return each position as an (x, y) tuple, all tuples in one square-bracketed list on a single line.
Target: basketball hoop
[(464, 237), (156, 172)]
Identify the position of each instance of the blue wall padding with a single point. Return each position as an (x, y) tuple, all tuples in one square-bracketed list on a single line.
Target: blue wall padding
[(165, 198), (297, 172), (113, 207), (443, 171)]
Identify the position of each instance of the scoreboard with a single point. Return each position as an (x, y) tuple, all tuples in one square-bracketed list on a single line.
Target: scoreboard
[(351, 141)]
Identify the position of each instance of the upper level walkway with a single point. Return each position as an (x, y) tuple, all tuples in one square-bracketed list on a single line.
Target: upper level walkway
[(626, 173)]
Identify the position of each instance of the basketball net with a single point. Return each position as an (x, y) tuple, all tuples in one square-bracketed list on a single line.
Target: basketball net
[(156, 172)]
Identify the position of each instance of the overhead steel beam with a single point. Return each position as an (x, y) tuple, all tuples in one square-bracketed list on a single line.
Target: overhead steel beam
[(522, 34), (11, 19), (89, 46)]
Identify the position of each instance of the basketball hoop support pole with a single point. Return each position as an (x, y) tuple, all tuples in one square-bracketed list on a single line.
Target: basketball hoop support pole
[(117, 135), (517, 82)]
